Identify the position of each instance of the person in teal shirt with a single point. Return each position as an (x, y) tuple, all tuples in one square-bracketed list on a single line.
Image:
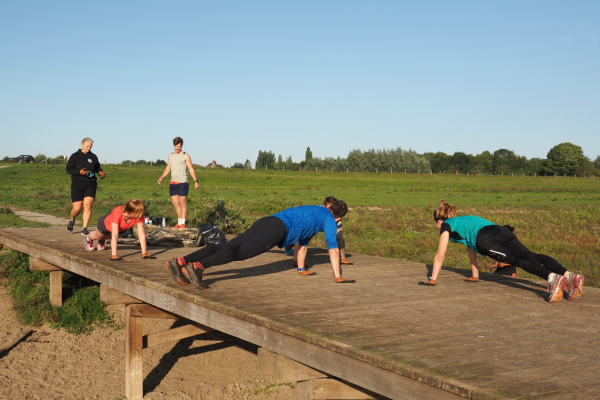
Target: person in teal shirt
[(481, 236)]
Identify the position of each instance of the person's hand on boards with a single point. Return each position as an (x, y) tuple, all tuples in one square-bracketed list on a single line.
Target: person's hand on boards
[(83, 171), (145, 256), (115, 258), (339, 279), (102, 175)]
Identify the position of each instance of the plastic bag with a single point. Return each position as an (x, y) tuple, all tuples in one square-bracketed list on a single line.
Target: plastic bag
[(210, 234)]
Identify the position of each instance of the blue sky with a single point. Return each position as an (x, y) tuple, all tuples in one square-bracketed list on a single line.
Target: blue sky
[(236, 77)]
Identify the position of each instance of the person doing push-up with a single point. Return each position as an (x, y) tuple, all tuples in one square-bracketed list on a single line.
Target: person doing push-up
[(499, 243), (296, 224)]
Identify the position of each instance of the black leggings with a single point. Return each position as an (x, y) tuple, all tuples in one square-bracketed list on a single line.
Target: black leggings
[(262, 236), (499, 243)]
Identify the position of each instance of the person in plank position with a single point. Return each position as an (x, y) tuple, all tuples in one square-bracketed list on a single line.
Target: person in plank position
[(339, 237), (499, 243), (296, 224), (118, 221)]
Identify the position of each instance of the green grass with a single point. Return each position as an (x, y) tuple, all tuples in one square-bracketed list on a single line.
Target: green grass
[(81, 311), (554, 216)]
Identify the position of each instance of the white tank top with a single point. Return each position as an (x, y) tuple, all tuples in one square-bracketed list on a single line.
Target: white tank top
[(179, 172)]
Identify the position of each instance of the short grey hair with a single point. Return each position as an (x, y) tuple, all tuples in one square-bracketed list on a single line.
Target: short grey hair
[(87, 140)]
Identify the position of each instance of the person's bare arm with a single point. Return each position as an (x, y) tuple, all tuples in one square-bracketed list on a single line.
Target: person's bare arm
[(114, 237), (165, 173), (438, 260), (190, 166)]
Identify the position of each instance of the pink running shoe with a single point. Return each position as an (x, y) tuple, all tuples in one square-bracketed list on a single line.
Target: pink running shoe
[(555, 288), (101, 245), (89, 244), (573, 285)]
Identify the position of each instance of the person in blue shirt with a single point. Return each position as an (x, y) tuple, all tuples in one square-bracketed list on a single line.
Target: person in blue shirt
[(481, 236), (296, 224)]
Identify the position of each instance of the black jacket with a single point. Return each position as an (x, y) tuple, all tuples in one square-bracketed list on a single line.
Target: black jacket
[(78, 161)]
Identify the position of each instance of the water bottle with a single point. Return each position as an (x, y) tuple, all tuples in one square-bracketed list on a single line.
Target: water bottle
[(164, 223)]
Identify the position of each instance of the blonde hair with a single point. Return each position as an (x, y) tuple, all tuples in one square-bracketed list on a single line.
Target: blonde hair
[(444, 211), (135, 208)]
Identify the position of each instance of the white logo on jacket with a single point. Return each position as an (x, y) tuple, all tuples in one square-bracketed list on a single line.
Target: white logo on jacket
[(90, 160)]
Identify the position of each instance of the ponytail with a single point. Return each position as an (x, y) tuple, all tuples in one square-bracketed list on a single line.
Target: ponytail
[(444, 211)]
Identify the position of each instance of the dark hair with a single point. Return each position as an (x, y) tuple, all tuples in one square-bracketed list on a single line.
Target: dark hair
[(339, 208), (177, 141), (328, 201), (510, 228)]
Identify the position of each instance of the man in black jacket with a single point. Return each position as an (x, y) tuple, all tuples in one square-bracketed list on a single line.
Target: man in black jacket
[(83, 166)]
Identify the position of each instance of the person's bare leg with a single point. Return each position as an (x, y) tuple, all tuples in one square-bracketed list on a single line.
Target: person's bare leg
[(175, 201), (87, 210), (95, 235), (183, 206), (76, 209)]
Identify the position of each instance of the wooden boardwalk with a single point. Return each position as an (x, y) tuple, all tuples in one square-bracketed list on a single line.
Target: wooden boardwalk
[(495, 339)]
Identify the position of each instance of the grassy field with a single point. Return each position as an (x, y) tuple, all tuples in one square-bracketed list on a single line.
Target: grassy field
[(391, 213)]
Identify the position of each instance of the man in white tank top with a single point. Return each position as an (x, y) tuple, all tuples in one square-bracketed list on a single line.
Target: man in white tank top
[(178, 165)]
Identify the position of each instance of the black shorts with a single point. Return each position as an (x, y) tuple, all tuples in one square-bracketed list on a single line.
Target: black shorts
[(181, 189), (101, 227), (78, 193)]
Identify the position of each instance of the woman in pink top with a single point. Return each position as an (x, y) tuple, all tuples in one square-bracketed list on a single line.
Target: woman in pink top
[(118, 221)]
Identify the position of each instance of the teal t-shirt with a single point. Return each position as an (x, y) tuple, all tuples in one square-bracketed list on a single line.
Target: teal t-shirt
[(464, 230)]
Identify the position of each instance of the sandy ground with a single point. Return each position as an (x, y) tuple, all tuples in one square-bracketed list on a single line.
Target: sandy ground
[(53, 364)]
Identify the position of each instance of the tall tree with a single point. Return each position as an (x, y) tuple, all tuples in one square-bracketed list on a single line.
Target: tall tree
[(308, 155), (265, 158), (564, 158)]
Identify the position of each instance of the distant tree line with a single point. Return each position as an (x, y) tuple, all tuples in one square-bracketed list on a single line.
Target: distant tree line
[(563, 159)]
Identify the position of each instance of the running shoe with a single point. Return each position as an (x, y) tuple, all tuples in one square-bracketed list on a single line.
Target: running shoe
[(555, 288), (175, 267), (70, 226), (84, 231), (195, 273), (573, 285), (346, 262), (101, 245), (176, 226), (89, 244), (182, 226)]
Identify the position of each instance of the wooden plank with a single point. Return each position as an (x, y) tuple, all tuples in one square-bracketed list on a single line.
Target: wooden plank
[(56, 288), (267, 361), (174, 334), (323, 389), (370, 333), (148, 311), (35, 264), (110, 297), (134, 377), (291, 371)]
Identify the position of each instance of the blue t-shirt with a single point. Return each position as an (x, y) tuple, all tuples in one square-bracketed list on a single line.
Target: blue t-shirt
[(464, 230), (304, 222)]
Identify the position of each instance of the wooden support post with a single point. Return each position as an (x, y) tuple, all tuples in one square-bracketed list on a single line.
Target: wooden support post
[(267, 360), (279, 369), (111, 297), (333, 389), (35, 264), (134, 346), (136, 342)]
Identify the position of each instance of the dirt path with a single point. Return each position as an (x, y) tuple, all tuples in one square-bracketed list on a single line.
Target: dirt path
[(53, 364)]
